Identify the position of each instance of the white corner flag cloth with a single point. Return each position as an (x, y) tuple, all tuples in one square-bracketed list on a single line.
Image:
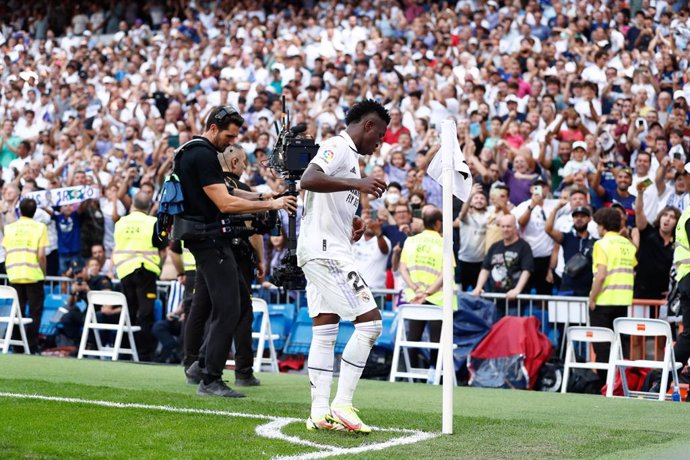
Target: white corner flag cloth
[(462, 178)]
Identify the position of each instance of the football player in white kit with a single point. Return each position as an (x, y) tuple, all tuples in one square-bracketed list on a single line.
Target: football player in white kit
[(335, 289)]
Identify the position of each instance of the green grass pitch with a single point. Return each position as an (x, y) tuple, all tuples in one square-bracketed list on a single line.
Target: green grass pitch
[(487, 423)]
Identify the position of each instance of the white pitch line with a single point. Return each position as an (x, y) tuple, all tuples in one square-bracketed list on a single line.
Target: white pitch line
[(271, 430)]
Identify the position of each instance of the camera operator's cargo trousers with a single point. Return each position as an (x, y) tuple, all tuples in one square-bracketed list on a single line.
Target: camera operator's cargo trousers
[(244, 355), (217, 291)]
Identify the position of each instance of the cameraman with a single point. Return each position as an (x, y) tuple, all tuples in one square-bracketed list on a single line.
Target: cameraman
[(217, 289), (248, 252)]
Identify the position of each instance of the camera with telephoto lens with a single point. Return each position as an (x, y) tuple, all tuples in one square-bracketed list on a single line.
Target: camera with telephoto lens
[(289, 159)]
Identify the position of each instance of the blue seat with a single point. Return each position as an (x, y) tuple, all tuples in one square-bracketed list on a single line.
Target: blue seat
[(389, 328), (51, 304), (157, 310), (345, 331), (282, 316), (299, 339)]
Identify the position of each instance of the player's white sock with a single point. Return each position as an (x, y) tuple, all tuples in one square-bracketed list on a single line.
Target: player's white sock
[(320, 366), (354, 360)]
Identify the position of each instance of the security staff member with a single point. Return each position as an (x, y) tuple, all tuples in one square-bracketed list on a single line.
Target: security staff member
[(137, 257), (614, 274), (217, 288), (681, 260), (421, 267), (25, 242), (185, 264)]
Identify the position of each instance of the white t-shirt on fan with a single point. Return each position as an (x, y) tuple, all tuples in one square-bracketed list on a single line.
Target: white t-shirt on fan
[(326, 230)]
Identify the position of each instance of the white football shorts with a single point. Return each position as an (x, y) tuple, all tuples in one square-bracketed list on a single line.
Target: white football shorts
[(334, 286)]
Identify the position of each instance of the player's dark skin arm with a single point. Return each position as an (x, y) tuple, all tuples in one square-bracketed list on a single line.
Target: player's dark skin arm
[(315, 180)]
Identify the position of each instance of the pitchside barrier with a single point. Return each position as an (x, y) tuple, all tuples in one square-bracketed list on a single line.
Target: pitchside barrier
[(555, 312)]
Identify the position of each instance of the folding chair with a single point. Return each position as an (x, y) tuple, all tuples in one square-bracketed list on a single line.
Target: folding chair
[(124, 326), (420, 313), (642, 327), (264, 335), (588, 335), (14, 318)]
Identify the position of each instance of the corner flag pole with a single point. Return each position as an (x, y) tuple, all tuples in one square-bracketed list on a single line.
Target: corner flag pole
[(448, 136)]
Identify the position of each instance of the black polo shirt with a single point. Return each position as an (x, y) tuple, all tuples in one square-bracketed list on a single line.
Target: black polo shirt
[(199, 167), (654, 260)]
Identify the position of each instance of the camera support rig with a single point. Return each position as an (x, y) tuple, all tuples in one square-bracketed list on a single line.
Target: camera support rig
[(290, 159)]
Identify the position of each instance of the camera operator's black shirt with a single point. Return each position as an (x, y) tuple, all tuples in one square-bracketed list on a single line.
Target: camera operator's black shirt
[(233, 181), (199, 167)]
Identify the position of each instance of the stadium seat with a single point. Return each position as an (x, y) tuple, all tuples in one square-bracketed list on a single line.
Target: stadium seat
[(345, 331), (11, 319), (642, 327), (282, 315), (588, 335), (123, 326), (51, 305), (389, 320), (299, 340), (420, 313)]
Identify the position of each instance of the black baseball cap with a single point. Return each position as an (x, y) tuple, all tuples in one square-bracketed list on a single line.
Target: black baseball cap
[(582, 210)]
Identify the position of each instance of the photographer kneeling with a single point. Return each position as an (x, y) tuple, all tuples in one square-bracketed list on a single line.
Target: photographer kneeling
[(87, 279)]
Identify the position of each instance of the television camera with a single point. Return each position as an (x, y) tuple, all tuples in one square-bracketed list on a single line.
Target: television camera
[(290, 159)]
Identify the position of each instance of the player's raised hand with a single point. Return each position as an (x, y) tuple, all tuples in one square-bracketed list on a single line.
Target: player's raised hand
[(372, 186)]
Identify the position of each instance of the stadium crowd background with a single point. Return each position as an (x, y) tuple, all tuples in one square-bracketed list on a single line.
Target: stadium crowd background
[(573, 92)]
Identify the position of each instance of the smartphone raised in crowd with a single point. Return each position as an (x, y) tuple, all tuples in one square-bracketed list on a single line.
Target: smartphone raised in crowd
[(174, 141)]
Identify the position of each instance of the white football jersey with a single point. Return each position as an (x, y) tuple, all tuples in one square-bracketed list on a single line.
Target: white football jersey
[(326, 230)]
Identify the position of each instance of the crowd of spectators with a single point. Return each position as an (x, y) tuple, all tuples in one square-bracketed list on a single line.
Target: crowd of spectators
[(562, 107)]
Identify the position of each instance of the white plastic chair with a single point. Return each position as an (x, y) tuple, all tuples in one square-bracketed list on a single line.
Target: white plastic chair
[(14, 319), (124, 326), (588, 335), (420, 313), (642, 327), (264, 335)]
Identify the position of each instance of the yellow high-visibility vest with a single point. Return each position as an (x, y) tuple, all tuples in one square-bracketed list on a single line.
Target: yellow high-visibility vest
[(133, 247), (188, 260), (620, 269), (423, 256), (681, 254), (22, 241)]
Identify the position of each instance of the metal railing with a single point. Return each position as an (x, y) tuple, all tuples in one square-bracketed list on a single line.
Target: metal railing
[(554, 311)]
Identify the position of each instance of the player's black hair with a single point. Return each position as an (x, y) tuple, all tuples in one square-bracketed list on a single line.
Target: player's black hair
[(364, 108)]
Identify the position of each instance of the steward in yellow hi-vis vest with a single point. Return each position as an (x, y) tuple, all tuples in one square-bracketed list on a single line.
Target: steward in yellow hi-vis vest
[(421, 267), (184, 262), (614, 274), (137, 257), (25, 242), (681, 262)]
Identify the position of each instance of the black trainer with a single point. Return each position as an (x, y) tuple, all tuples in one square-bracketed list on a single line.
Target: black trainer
[(217, 388), (250, 381), (194, 373)]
